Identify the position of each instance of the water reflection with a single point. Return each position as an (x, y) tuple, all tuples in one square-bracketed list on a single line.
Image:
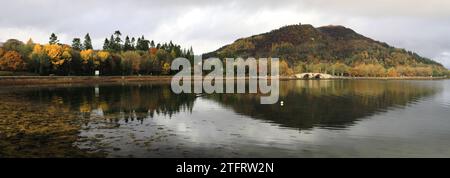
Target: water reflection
[(131, 101), (333, 104), (148, 120)]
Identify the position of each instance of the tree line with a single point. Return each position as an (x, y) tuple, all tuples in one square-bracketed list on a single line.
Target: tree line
[(361, 69), (130, 56)]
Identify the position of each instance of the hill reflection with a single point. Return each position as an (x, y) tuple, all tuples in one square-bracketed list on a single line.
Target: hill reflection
[(334, 104)]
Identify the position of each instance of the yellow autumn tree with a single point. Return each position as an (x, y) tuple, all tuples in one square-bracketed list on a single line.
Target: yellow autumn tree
[(67, 53), (424, 71), (339, 69), (392, 72), (58, 54), (2, 51), (38, 50), (166, 68), (103, 55), (89, 55), (284, 69)]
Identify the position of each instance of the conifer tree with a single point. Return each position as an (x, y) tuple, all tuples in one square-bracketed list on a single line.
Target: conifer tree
[(87, 42)]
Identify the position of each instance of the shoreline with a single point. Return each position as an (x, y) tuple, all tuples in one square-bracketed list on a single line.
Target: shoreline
[(33, 80), (390, 78)]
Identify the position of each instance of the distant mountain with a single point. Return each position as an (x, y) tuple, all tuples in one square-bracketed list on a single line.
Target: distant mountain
[(329, 44)]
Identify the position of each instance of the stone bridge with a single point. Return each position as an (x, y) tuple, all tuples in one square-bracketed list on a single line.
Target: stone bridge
[(313, 76)]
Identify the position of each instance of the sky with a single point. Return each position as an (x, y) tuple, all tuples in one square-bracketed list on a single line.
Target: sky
[(206, 25)]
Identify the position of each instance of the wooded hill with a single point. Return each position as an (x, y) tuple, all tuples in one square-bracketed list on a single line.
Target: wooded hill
[(330, 49)]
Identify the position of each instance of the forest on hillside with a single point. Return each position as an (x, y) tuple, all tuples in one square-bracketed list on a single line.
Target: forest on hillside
[(335, 50)]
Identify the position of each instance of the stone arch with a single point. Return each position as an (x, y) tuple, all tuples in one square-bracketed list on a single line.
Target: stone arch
[(306, 76)]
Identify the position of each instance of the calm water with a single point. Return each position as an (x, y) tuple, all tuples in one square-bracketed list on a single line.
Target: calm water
[(319, 119)]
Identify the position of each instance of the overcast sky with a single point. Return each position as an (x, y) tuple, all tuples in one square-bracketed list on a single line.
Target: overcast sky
[(421, 26)]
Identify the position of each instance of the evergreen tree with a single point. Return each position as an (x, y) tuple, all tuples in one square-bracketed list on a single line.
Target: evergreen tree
[(191, 51), (145, 45), (106, 45), (152, 44), (127, 45), (117, 41), (142, 44), (87, 42), (111, 43), (53, 39), (76, 44), (138, 43), (133, 43)]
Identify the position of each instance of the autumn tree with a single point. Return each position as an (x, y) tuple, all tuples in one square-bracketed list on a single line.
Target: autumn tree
[(166, 69), (12, 61), (133, 60), (103, 55), (392, 72), (30, 42), (299, 68), (284, 69), (376, 70), (147, 62), (106, 65), (143, 57), (13, 45), (405, 71), (87, 55), (339, 69), (282, 50), (89, 61), (424, 71), (26, 50), (41, 61), (58, 55), (2, 51)]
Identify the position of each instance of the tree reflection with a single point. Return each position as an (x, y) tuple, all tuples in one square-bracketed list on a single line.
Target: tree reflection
[(46, 121), (333, 103), (112, 102)]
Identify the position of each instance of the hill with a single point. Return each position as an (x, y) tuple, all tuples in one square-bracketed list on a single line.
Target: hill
[(330, 49)]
